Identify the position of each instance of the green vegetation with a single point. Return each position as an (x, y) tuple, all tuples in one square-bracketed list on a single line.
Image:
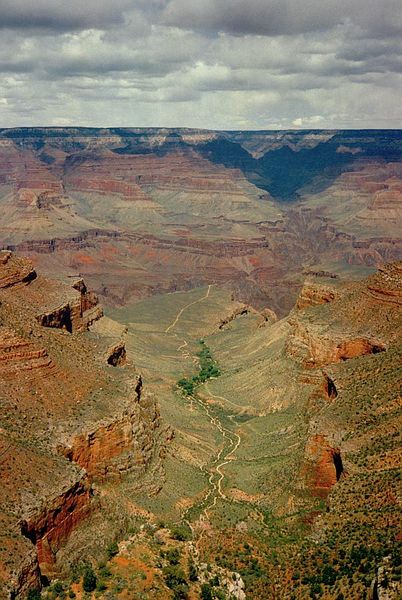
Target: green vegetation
[(33, 594), (208, 370), (89, 580), (192, 571), (181, 532), (176, 580), (112, 550), (173, 556), (206, 592)]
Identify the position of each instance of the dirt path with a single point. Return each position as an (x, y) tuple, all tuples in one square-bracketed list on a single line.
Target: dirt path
[(238, 406), (231, 440), (181, 311)]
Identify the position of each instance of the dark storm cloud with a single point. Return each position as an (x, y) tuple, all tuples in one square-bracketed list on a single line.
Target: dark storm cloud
[(62, 15), (283, 17)]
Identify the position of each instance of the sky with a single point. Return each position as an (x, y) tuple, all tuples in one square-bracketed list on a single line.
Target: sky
[(213, 64)]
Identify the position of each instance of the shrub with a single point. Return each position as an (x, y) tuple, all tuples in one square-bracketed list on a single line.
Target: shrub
[(174, 576), (112, 550), (192, 572), (206, 592), (180, 592), (101, 586), (173, 556), (104, 571), (328, 575), (89, 580), (208, 369), (58, 587), (33, 594), (182, 533)]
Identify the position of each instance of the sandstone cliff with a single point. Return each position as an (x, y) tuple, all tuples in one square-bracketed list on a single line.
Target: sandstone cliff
[(68, 419), (342, 339)]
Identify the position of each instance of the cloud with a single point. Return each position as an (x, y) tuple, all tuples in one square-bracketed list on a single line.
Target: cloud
[(202, 63), (62, 15), (315, 121), (283, 17)]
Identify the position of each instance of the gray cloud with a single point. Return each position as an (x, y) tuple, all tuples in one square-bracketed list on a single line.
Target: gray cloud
[(203, 63), (62, 15), (283, 17)]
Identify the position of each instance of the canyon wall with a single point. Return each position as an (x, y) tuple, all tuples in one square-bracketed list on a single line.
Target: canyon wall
[(142, 212), (56, 441)]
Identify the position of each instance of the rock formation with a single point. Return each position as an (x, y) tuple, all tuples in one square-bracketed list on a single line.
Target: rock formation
[(116, 354), (68, 421), (15, 270), (315, 292), (76, 314), (140, 212), (323, 467), (360, 321)]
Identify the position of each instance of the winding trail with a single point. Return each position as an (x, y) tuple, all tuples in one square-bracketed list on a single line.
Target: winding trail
[(4, 452), (238, 406), (231, 440), (181, 311)]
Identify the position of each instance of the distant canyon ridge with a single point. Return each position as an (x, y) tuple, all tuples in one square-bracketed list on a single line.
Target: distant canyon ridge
[(139, 212)]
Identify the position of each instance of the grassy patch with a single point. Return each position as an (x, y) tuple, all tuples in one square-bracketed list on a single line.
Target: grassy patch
[(208, 370)]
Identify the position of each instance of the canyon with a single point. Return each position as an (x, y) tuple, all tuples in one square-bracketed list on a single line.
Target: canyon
[(130, 255), (144, 211)]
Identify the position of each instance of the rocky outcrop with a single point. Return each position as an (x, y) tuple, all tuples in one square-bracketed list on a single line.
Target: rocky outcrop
[(14, 270), (122, 445), (316, 346), (116, 355), (77, 314), (323, 465), (237, 312), (353, 348), (329, 388), (28, 577), (385, 585), (62, 317), (315, 292), (49, 529), (60, 400), (385, 286), (269, 315), (18, 354), (104, 185)]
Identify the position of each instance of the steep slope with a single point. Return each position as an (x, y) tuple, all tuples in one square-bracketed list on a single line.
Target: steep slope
[(70, 422)]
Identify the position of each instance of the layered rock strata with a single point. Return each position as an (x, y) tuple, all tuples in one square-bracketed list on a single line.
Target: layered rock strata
[(329, 330), (68, 419)]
